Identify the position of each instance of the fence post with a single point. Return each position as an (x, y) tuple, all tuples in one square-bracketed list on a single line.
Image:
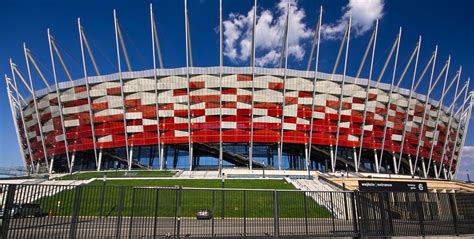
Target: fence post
[(245, 212), (102, 199), (421, 214), (121, 199), (390, 218), (131, 214), (212, 211), (332, 213), (454, 212), (155, 219), (275, 215), (354, 213), (76, 206), (305, 212), (6, 213), (178, 211), (383, 213), (346, 209)]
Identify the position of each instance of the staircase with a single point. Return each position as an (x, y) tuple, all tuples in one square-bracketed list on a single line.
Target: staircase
[(332, 199)]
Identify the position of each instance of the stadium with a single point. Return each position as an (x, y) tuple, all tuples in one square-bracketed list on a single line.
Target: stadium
[(196, 118)]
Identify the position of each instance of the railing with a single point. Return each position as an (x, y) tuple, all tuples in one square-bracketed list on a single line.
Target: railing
[(92, 211)]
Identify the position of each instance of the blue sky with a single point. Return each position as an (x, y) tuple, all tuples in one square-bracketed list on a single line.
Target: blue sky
[(448, 25)]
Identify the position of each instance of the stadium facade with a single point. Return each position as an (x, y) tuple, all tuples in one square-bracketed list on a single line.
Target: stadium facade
[(214, 117)]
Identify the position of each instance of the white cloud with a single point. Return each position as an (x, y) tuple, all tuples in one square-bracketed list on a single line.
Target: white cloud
[(364, 14), (269, 33)]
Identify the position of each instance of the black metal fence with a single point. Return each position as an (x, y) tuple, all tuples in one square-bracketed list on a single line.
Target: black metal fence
[(41, 211)]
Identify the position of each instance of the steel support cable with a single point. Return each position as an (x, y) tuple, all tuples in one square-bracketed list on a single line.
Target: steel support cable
[(405, 70), (128, 38), (32, 60), (313, 46), (88, 48), (58, 54), (124, 48), (339, 53), (157, 42), (366, 53), (62, 49)]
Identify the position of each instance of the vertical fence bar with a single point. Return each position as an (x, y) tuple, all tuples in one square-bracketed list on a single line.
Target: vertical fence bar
[(305, 198), (121, 200), (131, 214), (421, 215), (454, 212), (155, 216), (354, 214), (178, 211), (275, 214), (332, 212), (245, 212), (75, 212), (7, 209), (212, 212)]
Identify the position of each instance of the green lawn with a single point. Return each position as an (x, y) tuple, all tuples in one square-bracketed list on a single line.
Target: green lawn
[(142, 200), (117, 174), (202, 183)]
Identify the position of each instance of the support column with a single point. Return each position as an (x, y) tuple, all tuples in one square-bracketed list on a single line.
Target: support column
[(306, 156), (356, 161), (130, 155), (51, 165), (191, 155), (333, 163), (407, 111), (13, 108), (436, 170), (73, 160), (89, 100), (412, 171), (154, 43), (38, 116), (253, 84), (389, 101), (285, 47), (376, 157), (280, 156), (122, 94), (341, 97), (423, 167), (99, 165), (58, 97), (221, 63), (395, 166), (318, 32), (463, 137), (367, 90), (190, 144), (162, 158), (420, 142)]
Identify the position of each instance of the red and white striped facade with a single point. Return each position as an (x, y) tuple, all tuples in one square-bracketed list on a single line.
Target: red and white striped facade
[(190, 109)]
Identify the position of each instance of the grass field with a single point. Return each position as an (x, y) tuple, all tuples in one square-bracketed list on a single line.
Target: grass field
[(96, 199), (117, 174)]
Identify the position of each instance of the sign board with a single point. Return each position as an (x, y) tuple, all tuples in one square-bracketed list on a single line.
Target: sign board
[(392, 186)]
